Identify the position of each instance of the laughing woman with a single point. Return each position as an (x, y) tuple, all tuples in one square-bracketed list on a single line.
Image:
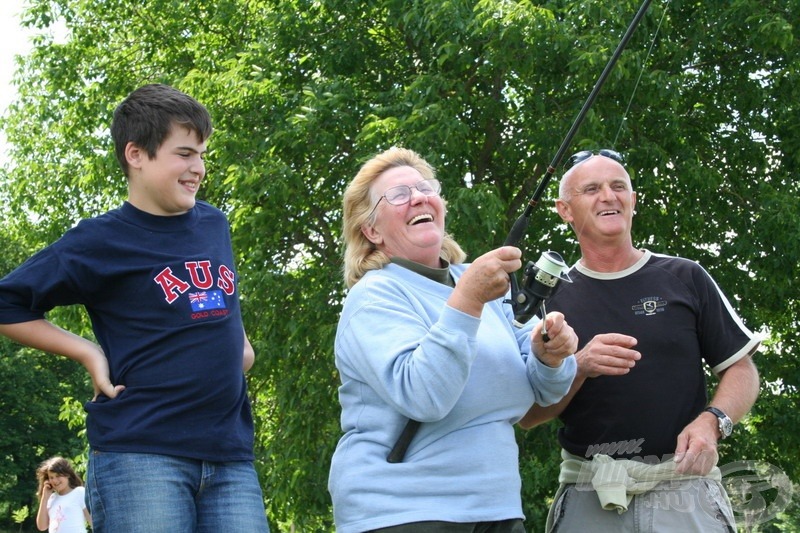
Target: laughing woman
[(425, 337)]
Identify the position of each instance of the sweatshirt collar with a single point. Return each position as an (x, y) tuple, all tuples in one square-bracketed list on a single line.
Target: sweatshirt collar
[(439, 275)]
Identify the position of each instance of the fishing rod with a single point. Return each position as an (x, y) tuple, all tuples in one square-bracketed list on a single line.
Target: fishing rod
[(540, 278)]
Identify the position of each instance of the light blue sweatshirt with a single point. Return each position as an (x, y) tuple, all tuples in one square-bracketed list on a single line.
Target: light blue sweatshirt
[(403, 353)]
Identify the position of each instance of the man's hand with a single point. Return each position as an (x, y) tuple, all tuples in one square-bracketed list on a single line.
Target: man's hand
[(607, 354), (696, 452)]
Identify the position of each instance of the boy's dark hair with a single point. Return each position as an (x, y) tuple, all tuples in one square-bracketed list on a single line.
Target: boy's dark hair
[(147, 114)]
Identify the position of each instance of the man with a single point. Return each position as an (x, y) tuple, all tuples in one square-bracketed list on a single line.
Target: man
[(639, 438)]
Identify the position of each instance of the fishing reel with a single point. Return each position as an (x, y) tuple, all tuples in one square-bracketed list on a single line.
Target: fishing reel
[(538, 282)]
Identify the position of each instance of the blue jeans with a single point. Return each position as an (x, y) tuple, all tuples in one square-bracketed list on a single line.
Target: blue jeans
[(149, 493)]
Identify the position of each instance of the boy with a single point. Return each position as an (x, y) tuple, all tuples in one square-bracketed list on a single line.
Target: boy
[(170, 428)]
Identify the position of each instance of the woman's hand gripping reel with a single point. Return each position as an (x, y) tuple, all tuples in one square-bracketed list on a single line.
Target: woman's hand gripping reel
[(538, 282)]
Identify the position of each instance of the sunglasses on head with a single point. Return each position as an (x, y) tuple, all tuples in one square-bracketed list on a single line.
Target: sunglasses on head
[(581, 156)]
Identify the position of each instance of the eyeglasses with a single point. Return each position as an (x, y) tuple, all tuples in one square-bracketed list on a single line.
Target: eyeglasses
[(582, 156), (401, 194)]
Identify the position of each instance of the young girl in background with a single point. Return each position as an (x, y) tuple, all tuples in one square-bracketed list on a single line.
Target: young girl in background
[(62, 508)]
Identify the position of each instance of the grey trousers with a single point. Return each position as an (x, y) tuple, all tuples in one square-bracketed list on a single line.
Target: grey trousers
[(694, 505)]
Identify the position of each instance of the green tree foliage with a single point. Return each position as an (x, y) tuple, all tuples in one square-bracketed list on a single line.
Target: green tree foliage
[(31, 385), (703, 103)]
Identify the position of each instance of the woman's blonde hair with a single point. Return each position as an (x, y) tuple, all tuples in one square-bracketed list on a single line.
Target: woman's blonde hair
[(360, 255)]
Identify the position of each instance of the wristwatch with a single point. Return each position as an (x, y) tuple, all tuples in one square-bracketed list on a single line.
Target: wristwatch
[(725, 422)]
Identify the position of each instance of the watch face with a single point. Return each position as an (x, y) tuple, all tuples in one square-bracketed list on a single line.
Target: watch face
[(724, 421), (725, 426)]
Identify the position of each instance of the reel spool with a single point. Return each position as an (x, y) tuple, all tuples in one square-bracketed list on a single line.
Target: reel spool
[(538, 282)]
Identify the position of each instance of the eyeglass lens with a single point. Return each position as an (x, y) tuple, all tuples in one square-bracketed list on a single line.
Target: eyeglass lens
[(401, 194)]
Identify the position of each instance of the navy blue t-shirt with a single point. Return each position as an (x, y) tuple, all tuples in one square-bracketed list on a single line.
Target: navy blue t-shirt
[(162, 296)]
